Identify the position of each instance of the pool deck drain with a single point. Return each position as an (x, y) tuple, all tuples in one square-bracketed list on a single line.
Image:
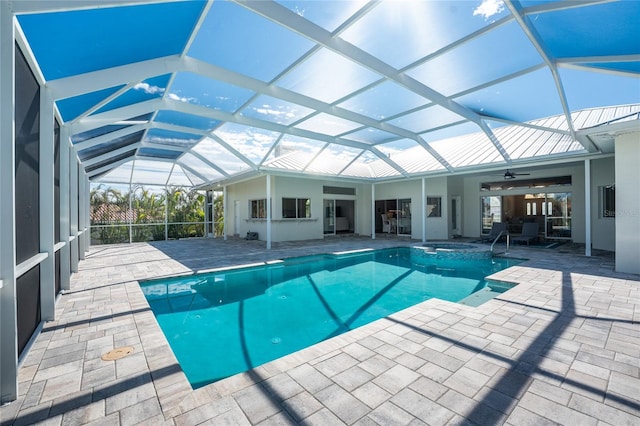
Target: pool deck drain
[(117, 353)]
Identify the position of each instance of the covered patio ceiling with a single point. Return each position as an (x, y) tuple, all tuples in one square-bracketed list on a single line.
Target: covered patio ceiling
[(196, 93)]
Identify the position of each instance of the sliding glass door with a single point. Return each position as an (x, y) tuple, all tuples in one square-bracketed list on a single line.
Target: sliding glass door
[(558, 215), (552, 211), (329, 216)]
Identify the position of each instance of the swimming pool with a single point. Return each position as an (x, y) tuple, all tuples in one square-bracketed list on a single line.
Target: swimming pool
[(222, 323)]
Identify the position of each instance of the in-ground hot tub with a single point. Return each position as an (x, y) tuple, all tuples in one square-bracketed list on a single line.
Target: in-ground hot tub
[(453, 251)]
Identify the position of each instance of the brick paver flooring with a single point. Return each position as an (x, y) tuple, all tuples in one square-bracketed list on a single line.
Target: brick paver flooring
[(562, 347)]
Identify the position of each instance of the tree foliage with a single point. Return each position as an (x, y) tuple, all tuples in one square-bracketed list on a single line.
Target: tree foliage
[(148, 214)]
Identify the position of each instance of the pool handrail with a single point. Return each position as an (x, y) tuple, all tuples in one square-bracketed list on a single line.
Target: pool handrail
[(497, 238)]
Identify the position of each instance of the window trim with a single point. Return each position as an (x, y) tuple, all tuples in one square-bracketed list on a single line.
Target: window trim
[(607, 197), (258, 208), (437, 207), (297, 213)]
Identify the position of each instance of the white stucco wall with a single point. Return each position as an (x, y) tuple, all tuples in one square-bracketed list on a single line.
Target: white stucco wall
[(296, 229), (243, 192), (628, 203), (290, 187), (603, 229), (468, 187), (455, 188)]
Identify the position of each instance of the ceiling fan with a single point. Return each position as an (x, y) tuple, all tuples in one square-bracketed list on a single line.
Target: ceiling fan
[(512, 175)]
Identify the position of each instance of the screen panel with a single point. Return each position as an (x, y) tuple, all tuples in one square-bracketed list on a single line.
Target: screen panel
[(28, 305), (56, 180), (58, 275), (27, 161)]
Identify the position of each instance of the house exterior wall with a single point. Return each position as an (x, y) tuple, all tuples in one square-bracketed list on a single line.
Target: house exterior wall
[(603, 229), (455, 188), (289, 187), (627, 203), (437, 228), (296, 229)]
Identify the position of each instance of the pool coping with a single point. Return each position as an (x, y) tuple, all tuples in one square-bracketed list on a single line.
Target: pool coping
[(301, 355)]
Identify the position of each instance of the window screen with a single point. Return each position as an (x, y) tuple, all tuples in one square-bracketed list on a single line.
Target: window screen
[(28, 305), (56, 180), (27, 161)]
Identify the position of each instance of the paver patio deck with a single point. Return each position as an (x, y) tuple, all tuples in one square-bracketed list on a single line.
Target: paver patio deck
[(562, 347)]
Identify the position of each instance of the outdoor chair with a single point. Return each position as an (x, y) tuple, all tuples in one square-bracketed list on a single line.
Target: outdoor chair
[(386, 223), (496, 229), (529, 233)]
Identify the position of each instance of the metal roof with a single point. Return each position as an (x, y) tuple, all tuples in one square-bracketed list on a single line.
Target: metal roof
[(195, 92)]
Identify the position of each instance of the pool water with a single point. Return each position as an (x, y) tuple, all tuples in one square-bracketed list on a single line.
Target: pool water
[(223, 323)]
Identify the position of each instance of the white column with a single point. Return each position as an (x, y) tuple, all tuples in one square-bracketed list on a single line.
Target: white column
[(207, 223), (268, 212), (47, 207), (166, 213), (87, 209), (627, 202), (225, 220), (65, 231), (587, 207), (373, 211), (83, 212), (73, 210), (423, 209), (8, 320), (129, 218)]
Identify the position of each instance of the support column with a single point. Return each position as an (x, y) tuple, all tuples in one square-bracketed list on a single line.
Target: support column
[(208, 224), (83, 192), (166, 212), (225, 210), (87, 217), (65, 230), (47, 206), (627, 202), (268, 201), (129, 218), (8, 310), (423, 210), (73, 210), (373, 211), (587, 207)]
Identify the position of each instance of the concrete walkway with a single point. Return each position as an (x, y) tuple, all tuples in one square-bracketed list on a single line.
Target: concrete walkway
[(563, 347)]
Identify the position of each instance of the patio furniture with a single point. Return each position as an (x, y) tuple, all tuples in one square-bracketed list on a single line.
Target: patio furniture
[(496, 229), (529, 233), (386, 223)]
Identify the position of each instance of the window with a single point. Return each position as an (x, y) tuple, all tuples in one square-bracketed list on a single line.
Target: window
[(296, 208), (434, 206), (258, 208), (608, 205), (526, 183), (339, 190)]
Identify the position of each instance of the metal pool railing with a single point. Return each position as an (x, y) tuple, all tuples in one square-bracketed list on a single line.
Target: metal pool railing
[(496, 240)]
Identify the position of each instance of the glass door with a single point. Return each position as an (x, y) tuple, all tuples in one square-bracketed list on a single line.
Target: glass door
[(558, 215), (491, 212), (456, 215), (329, 217), (404, 216)]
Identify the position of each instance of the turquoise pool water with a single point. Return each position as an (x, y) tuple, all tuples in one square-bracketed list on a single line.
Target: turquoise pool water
[(219, 324)]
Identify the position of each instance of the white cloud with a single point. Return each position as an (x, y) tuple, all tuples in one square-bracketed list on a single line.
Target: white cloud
[(488, 8), (175, 97), (147, 88)]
